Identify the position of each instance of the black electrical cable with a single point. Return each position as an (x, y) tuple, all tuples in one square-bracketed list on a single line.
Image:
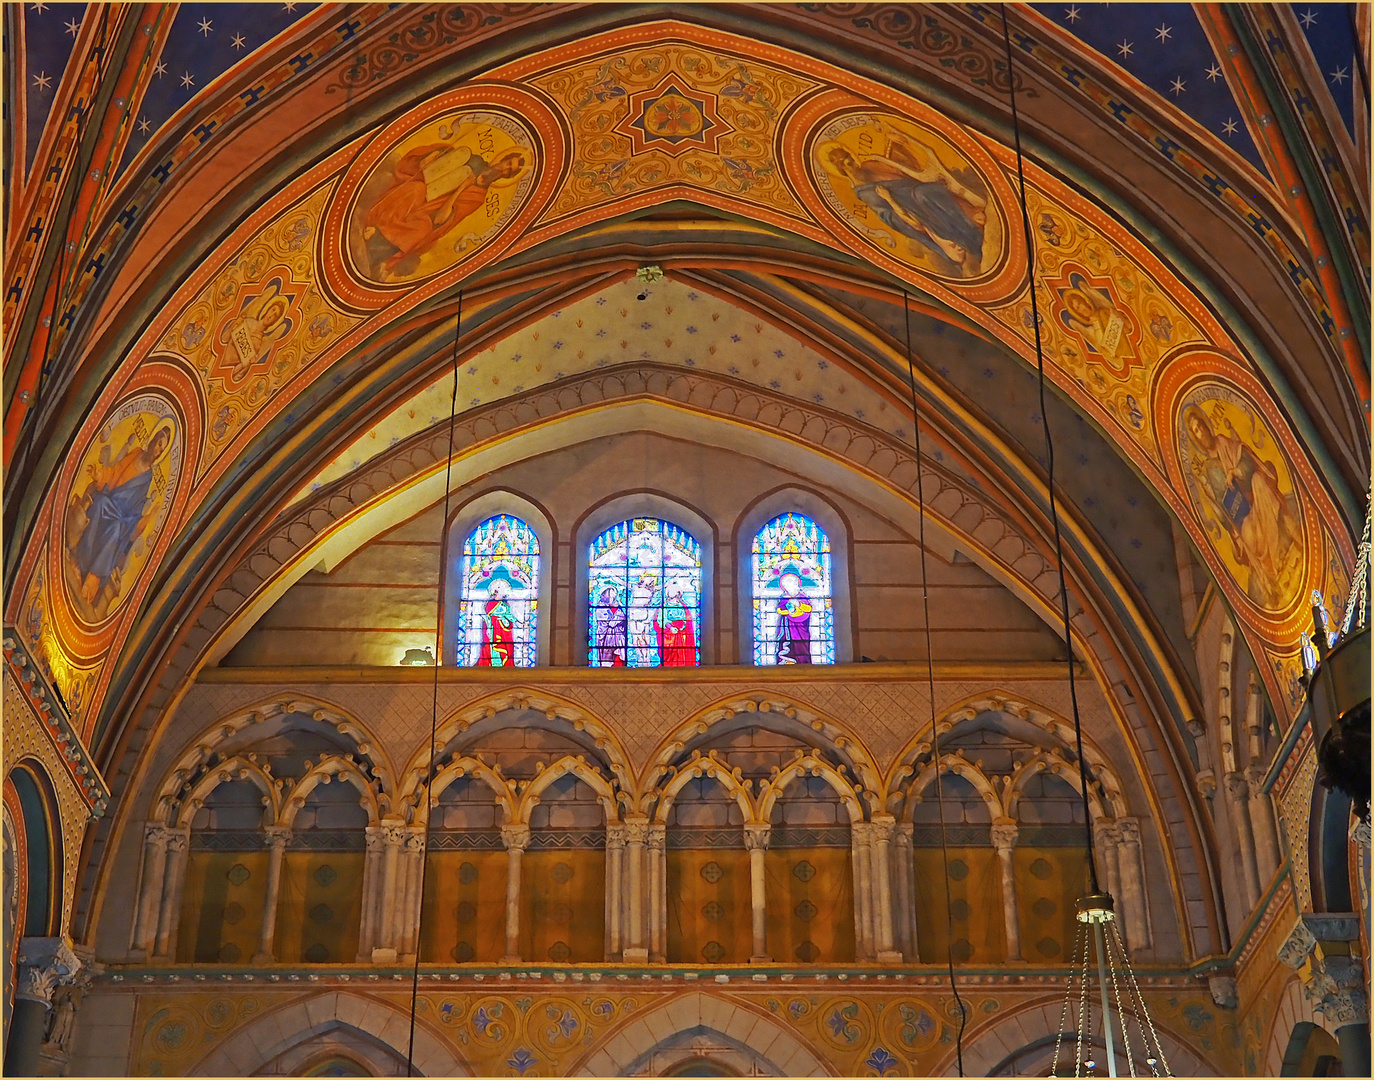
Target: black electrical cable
[(434, 711), (930, 686), (1049, 453)]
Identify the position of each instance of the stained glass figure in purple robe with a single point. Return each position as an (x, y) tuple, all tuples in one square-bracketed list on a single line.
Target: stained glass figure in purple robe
[(794, 619)]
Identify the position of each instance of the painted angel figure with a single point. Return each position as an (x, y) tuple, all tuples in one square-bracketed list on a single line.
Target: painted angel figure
[(115, 503), (434, 189), (915, 195)]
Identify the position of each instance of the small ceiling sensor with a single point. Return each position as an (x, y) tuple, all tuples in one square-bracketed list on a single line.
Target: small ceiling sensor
[(648, 275)]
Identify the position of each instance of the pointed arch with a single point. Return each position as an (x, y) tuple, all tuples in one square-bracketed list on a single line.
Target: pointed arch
[(236, 768), (952, 763), (814, 765), (455, 769), (329, 770), (712, 767), (567, 766)]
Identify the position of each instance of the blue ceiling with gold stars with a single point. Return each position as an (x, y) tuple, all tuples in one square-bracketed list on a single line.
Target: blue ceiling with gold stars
[(1165, 47)]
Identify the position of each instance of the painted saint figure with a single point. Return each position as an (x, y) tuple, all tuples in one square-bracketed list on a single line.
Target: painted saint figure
[(115, 503), (1243, 490), (610, 630), (1093, 316), (249, 337), (914, 194), (677, 642), (434, 189), (498, 629), (794, 622)]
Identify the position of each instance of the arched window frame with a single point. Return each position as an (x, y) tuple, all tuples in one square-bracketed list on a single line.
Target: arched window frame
[(836, 528), (650, 505), (461, 524)]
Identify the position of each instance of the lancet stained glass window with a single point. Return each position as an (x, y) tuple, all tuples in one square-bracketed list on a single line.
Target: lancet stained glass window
[(499, 598), (794, 618), (644, 596)]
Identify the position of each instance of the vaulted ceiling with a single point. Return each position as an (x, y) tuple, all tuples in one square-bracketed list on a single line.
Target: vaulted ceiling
[(238, 263)]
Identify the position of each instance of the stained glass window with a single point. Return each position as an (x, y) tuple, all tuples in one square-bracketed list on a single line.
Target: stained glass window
[(794, 619), (499, 598), (644, 596)]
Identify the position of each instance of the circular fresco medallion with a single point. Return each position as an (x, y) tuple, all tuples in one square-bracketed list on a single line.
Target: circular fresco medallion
[(1240, 484), (118, 504), (904, 188), (439, 194)]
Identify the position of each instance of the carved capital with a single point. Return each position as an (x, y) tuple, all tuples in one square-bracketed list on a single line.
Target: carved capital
[(615, 835), (155, 834), (178, 840), (1106, 832), (1238, 787), (1207, 783), (515, 837), (883, 826), (636, 830), (756, 836), (1335, 986), (375, 839), (45, 963), (862, 832), (906, 831), (1004, 835), (278, 836), (1298, 945), (656, 836), (393, 832), (1130, 831), (415, 839), (1197, 728)]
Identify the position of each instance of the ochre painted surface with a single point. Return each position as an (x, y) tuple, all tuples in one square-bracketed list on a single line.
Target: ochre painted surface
[(465, 907), (708, 906), (319, 907), (221, 907), (810, 905), (563, 906)]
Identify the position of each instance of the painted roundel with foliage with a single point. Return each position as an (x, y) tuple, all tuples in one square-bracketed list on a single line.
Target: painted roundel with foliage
[(794, 618), (644, 596), (499, 602)]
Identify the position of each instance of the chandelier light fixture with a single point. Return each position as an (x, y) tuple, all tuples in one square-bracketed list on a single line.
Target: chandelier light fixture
[(1098, 937)]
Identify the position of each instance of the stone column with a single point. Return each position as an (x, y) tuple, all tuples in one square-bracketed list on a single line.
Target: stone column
[(413, 851), (516, 838), (1137, 917), (44, 963), (372, 902), (277, 837), (883, 826), (905, 900), (658, 891), (173, 881), (1238, 789), (385, 927), (636, 831), (144, 934), (615, 886), (756, 835), (1106, 840), (862, 833), (1004, 834), (1267, 854)]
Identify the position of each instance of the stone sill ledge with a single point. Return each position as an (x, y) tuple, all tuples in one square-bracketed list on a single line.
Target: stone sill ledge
[(945, 670), (134, 977)]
